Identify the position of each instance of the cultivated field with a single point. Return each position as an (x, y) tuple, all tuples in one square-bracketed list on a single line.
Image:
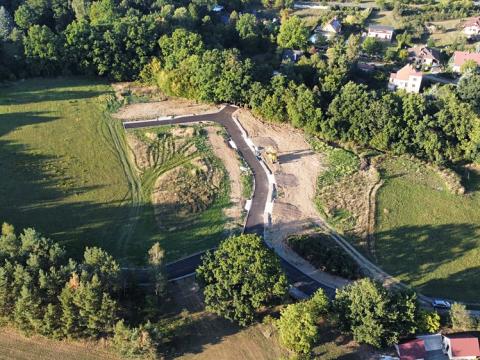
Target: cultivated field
[(60, 172), (426, 236)]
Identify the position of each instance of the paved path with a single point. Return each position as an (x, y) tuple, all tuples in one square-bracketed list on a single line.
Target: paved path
[(255, 223)]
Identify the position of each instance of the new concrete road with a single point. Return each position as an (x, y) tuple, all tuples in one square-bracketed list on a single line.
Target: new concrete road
[(255, 219)]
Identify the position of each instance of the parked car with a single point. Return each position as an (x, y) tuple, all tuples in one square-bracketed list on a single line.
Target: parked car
[(441, 304)]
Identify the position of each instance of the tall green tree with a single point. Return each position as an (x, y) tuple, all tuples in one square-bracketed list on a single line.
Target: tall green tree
[(6, 23), (293, 34), (239, 277), (43, 50)]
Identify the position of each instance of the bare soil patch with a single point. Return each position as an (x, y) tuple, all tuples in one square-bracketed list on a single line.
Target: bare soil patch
[(296, 173), (167, 107), (230, 160)]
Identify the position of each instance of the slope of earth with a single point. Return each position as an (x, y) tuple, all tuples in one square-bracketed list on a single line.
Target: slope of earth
[(14, 346), (60, 172), (427, 236)]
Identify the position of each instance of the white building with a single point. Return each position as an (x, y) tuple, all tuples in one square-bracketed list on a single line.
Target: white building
[(472, 27), (384, 33), (407, 78)]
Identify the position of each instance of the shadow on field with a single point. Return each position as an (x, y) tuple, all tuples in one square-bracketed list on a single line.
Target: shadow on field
[(418, 251)]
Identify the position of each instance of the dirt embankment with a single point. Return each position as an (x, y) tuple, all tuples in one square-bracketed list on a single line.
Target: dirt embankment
[(296, 174), (231, 161)]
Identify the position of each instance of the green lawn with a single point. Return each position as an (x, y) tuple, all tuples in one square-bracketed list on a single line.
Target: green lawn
[(426, 236), (60, 172), (67, 172)]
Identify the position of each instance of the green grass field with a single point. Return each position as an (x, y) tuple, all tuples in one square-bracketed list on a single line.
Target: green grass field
[(60, 171), (426, 236), (66, 171)]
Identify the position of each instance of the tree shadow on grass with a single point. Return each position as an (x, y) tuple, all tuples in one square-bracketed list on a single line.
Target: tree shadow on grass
[(415, 252)]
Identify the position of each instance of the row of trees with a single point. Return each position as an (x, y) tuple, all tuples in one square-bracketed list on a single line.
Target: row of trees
[(441, 127), (242, 276), (44, 292)]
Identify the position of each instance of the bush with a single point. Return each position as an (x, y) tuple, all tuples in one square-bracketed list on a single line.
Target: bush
[(324, 254), (134, 342)]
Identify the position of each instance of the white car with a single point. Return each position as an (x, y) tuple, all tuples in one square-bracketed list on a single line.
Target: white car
[(441, 304)]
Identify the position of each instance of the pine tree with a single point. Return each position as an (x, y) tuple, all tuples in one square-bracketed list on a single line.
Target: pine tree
[(50, 325), (5, 293), (69, 312), (27, 313), (96, 309)]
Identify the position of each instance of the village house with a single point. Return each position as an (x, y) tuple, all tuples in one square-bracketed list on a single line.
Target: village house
[(439, 347), (471, 27), (380, 32), (459, 58), (424, 55), (328, 30), (461, 348), (407, 78)]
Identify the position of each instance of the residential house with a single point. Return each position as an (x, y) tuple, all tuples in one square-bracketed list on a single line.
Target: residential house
[(424, 55), (380, 32), (471, 27), (412, 350), (459, 58), (461, 347), (328, 30), (407, 78), (291, 55)]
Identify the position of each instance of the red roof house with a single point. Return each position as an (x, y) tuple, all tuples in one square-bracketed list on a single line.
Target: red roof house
[(459, 58), (464, 348), (407, 78), (411, 350), (471, 27)]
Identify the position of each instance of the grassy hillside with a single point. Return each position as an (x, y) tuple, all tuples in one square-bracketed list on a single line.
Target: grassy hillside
[(427, 236), (14, 346), (60, 172)]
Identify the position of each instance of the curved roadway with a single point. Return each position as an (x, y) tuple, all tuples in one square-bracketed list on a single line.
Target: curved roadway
[(255, 219)]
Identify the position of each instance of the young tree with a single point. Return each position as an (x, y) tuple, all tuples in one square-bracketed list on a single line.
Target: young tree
[(460, 318), (293, 34), (134, 342), (428, 322), (155, 259), (469, 67), (239, 277), (297, 328), (371, 46)]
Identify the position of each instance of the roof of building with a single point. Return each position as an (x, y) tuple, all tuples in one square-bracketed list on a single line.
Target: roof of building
[(412, 350), (380, 28), (464, 346), (405, 73), (475, 21), (335, 24), (459, 57), (424, 52)]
